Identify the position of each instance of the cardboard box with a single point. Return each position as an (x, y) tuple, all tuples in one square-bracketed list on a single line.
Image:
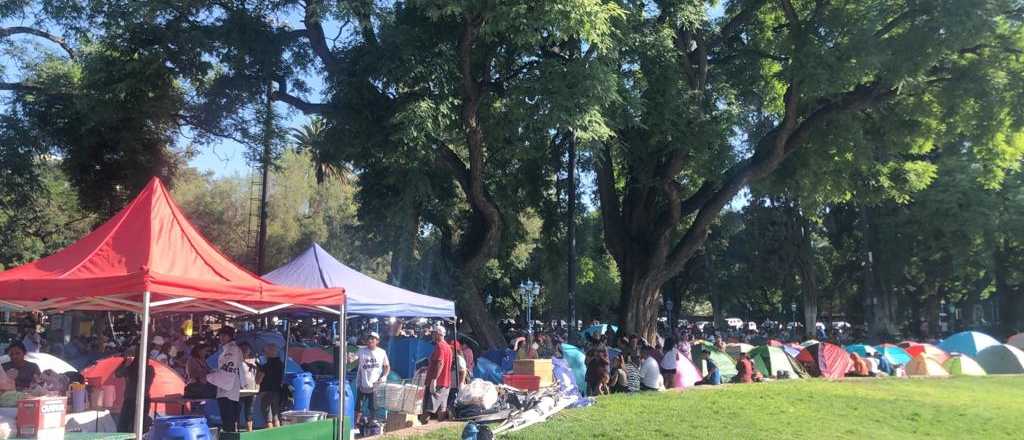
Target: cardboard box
[(41, 418), (541, 368), (399, 420)]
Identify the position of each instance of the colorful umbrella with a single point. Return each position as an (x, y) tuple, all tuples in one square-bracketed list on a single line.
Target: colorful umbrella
[(893, 354), (306, 355)]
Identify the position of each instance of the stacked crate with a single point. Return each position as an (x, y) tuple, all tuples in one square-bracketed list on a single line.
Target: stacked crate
[(531, 374)]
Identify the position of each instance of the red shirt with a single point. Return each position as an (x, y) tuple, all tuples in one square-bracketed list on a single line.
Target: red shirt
[(440, 366)]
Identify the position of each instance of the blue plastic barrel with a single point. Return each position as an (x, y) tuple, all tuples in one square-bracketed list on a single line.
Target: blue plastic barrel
[(325, 398), (302, 390), (181, 428)]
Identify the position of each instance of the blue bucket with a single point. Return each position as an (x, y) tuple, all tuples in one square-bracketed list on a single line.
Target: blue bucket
[(181, 428)]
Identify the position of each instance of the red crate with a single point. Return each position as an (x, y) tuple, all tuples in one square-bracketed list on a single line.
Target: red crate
[(523, 381), (40, 414)]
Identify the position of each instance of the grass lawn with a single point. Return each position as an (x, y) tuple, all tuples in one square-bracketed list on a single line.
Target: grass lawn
[(983, 408)]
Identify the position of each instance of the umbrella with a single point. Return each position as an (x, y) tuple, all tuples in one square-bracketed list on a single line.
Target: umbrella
[(861, 349), (598, 329), (306, 355), (893, 354), (45, 362)]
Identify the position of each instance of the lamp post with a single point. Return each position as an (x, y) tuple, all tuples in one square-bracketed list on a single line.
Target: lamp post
[(529, 291), (488, 300), (792, 313)]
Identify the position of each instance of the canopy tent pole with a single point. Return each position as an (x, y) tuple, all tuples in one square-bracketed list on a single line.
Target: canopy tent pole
[(284, 357), (343, 348), (140, 388)]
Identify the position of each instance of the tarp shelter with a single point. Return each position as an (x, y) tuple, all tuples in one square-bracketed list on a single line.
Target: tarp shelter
[(45, 362), (577, 361), (825, 360), (894, 354), (316, 269), (771, 361), (922, 365), (166, 381), (150, 258), (405, 353), (963, 365), (927, 350), (598, 329), (861, 349), (1017, 340), (969, 343), (1002, 359)]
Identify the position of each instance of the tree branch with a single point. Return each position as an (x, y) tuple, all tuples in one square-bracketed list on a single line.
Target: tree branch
[(315, 34), (22, 30), (732, 26), (282, 95), (19, 87)]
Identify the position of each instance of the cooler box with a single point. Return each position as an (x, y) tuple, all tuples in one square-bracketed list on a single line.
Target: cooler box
[(541, 368), (41, 418), (523, 381)]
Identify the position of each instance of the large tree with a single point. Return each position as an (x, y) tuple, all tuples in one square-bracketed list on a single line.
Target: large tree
[(713, 104)]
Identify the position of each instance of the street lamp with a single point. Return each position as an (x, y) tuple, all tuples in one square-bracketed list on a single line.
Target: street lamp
[(792, 313), (529, 290), (488, 300)]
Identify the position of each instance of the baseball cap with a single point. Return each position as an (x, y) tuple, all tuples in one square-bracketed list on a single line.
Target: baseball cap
[(373, 335), (440, 329)]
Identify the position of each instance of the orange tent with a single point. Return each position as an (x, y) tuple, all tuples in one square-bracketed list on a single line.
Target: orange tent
[(922, 365), (166, 381), (929, 350)]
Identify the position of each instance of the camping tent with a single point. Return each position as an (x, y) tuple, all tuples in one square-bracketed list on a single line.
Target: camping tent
[(1002, 359), (861, 349), (316, 269), (922, 365), (771, 360), (165, 381), (1017, 340), (725, 363), (969, 343), (45, 362), (927, 350), (825, 360), (963, 365), (735, 349), (893, 354), (146, 258)]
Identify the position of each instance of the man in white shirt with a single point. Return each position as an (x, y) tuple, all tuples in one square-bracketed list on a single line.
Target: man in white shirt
[(228, 379), (650, 374), (373, 369)]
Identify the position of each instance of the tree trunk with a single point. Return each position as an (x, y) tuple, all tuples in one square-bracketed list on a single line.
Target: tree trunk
[(402, 257), (932, 311), (808, 276), (638, 308), (472, 309)]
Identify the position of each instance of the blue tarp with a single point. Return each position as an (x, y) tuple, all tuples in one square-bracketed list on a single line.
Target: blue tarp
[(577, 361), (405, 353), (598, 329), (364, 295)]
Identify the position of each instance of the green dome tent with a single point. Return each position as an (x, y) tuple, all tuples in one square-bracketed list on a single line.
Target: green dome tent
[(963, 365), (1002, 359), (770, 361), (725, 363)]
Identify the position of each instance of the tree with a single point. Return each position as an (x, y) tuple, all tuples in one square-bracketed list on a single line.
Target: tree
[(714, 105)]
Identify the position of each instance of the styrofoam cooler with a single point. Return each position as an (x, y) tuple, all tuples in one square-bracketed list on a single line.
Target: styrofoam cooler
[(41, 418)]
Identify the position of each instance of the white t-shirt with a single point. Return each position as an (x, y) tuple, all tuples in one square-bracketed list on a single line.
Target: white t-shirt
[(668, 361), (371, 367), (650, 375), (230, 361)]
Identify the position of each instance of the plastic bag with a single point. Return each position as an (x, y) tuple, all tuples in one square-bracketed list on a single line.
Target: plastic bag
[(479, 392)]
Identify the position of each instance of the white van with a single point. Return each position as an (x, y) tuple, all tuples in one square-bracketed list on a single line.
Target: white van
[(734, 322)]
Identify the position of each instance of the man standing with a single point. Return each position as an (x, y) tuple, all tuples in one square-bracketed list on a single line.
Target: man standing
[(228, 379), (373, 369), (438, 379)]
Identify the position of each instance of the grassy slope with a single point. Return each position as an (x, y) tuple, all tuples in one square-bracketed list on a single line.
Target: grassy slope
[(985, 407)]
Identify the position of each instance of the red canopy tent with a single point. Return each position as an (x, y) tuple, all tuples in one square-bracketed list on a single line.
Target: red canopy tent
[(149, 257)]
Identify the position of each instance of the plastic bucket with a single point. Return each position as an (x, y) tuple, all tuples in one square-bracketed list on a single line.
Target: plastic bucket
[(293, 417), (181, 428), (302, 390)]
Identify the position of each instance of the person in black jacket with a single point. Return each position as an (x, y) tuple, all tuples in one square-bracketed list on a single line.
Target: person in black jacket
[(129, 370), (270, 376)]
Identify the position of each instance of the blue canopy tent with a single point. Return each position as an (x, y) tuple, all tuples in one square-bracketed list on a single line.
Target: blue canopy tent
[(364, 295)]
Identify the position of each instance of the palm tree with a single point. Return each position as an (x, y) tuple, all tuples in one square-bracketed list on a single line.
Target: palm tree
[(312, 138)]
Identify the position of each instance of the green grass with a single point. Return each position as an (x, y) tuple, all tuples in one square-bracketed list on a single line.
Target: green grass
[(982, 408)]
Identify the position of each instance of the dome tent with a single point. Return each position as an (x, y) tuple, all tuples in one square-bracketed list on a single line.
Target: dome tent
[(770, 361), (963, 365), (969, 343), (922, 365), (825, 360), (1002, 359)]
